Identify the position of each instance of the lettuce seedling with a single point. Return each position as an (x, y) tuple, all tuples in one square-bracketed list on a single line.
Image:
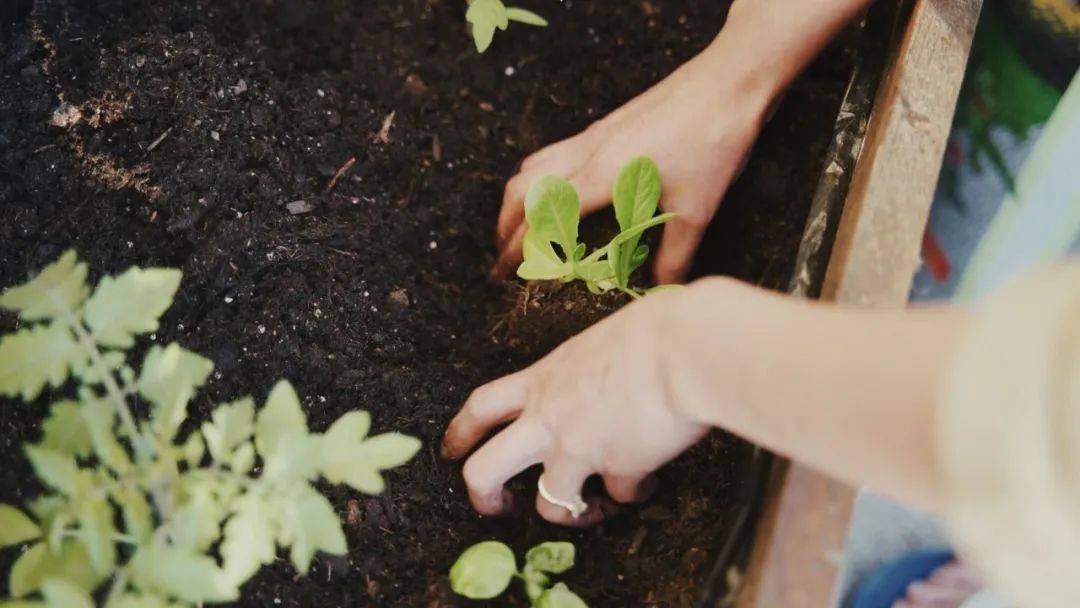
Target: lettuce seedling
[(488, 15), (484, 571), (166, 520), (552, 211)]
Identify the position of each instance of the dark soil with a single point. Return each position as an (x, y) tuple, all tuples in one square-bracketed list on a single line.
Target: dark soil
[(201, 119)]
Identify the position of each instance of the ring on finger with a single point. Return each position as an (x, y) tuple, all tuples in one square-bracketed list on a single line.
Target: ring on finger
[(576, 506)]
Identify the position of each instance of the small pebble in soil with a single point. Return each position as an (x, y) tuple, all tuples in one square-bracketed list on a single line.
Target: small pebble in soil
[(510, 70), (214, 135), (228, 299), (433, 245)]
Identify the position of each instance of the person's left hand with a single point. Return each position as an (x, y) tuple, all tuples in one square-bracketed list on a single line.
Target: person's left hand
[(599, 404)]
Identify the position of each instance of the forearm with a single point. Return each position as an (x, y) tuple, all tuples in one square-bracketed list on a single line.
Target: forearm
[(767, 43), (852, 393)]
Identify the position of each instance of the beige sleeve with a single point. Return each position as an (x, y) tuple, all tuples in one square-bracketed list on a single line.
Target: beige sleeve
[(1009, 440)]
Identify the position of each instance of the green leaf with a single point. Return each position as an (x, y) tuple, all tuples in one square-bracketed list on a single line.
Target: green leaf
[(195, 524), (23, 604), (60, 593), (560, 596), (231, 424), (182, 574), (280, 421), (168, 379), (56, 469), (541, 263), (636, 193), (350, 459), (99, 417), (130, 304), (485, 16), (521, 15), (142, 600), (65, 432), (483, 571), (34, 357), (243, 458), (194, 449), (536, 583), (58, 289), (249, 539), (97, 531), (552, 210), (138, 518), (38, 564), (553, 557), (310, 524), (15, 527)]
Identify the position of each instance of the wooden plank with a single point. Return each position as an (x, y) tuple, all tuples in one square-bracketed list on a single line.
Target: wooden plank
[(795, 560)]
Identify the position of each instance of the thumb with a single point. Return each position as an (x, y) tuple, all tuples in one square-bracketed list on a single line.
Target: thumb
[(682, 236)]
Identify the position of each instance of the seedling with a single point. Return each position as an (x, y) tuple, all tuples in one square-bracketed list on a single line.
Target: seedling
[(552, 211), (488, 15), (198, 515), (485, 570)]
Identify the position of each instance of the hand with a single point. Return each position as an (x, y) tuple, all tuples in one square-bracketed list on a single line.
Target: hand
[(599, 404), (698, 125)]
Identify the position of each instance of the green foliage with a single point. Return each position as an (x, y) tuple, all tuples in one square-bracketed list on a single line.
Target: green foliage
[(485, 570), (169, 519), (488, 15), (552, 209)]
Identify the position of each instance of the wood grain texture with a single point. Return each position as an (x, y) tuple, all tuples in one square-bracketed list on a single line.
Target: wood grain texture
[(799, 543)]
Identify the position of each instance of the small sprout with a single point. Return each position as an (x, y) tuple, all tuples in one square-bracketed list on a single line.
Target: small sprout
[(488, 15), (484, 571), (170, 519), (552, 211)]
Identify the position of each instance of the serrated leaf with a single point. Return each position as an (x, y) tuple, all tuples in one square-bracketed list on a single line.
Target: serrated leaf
[(138, 517), (194, 449), (31, 358), (483, 571), (350, 459), (552, 210), (58, 289), (15, 527), (560, 596), (181, 574), (168, 379), (142, 600), (486, 16), (99, 418), (249, 539), (56, 469), (540, 262), (310, 524), (130, 304), (195, 524), (280, 421), (38, 563), (230, 425), (97, 531), (552, 557), (65, 432), (521, 15), (60, 593)]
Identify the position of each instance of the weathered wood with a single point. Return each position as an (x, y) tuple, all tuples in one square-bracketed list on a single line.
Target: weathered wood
[(795, 561)]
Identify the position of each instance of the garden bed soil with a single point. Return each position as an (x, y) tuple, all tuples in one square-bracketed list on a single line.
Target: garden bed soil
[(175, 133)]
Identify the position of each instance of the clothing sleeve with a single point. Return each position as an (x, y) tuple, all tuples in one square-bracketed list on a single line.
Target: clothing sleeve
[(1009, 439)]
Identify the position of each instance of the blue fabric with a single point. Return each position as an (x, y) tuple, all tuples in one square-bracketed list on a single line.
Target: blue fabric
[(889, 583)]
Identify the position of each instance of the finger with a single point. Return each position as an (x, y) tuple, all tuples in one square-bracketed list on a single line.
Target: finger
[(630, 488), (512, 212), (511, 451), (562, 481), (682, 236), (957, 575), (593, 185), (488, 406), (510, 257), (931, 595)]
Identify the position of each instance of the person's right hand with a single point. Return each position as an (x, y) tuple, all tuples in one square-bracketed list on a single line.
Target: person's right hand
[(697, 126)]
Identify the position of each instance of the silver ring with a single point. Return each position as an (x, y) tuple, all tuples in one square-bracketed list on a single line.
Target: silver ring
[(576, 507)]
